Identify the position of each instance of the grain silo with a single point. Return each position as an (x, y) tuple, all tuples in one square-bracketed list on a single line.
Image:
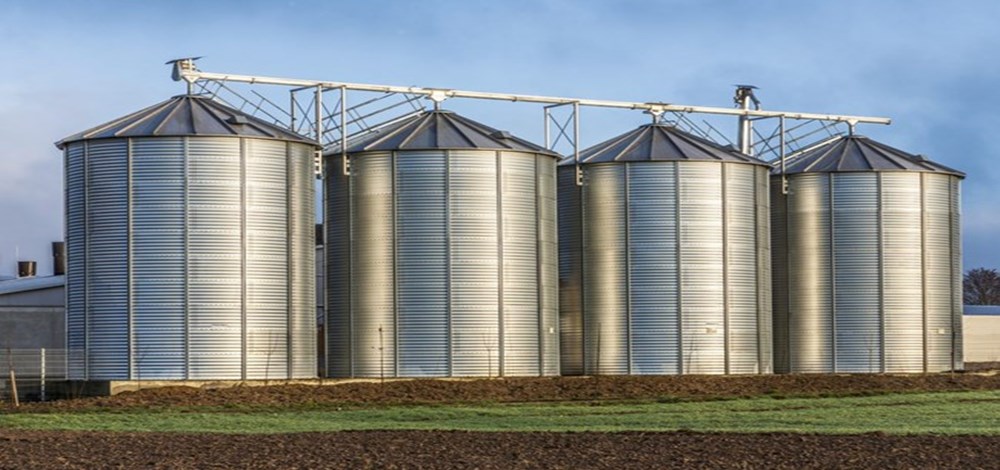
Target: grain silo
[(867, 261), (441, 236), (190, 247), (664, 257)]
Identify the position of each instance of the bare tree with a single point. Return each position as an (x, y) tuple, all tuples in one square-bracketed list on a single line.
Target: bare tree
[(982, 287)]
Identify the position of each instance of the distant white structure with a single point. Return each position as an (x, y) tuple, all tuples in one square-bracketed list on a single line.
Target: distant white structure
[(982, 333)]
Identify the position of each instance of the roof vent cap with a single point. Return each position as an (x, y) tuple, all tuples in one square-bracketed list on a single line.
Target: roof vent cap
[(237, 119), (921, 157), (501, 135)]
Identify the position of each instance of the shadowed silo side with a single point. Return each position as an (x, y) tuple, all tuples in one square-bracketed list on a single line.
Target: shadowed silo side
[(190, 247), (442, 253), (867, 261), (665, 258)]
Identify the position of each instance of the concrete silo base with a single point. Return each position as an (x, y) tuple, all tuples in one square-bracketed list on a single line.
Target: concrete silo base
[(104, 388)]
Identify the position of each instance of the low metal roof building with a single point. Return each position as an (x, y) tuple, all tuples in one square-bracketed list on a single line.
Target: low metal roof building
[(982, 333), (32, 313)]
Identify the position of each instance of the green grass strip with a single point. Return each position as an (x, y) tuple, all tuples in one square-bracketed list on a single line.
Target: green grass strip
[(931, 413)]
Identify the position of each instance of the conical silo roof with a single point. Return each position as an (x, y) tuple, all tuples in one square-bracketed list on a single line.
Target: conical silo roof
[(661, 143), (441, 130), (858, 153), (186, 115)]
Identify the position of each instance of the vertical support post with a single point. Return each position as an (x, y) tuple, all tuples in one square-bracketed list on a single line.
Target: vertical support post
[(576, 143), (319, 115), (13, 378), (343, 132), (41, 373), (784, 177), (291, 114), (547, 116), (318, 159)]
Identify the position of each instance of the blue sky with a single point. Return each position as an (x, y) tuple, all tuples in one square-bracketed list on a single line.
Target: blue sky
[(930, 65)]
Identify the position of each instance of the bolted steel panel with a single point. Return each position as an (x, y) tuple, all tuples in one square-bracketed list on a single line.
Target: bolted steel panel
[(779, 274), (605, 270), (957, 358), (520, 264), (902, 272), (158, 258), (548, 267), (744, 268), (372, 269), (422, 264), (937, 259), (337, 249), (474, 263), (653, 268), (570, 233), (702, 285), (765, 310), (809, 259), (106, 260), (76, 227), (301, 214), (215, 258), (267, 307)]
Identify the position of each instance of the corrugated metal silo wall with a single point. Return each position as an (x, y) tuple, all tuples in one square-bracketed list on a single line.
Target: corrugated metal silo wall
[(675, 268), (185, 254), (570, 273), (871, 273), (452, 265)]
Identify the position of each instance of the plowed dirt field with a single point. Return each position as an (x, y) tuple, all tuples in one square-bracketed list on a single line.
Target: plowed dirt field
[(454, 450)]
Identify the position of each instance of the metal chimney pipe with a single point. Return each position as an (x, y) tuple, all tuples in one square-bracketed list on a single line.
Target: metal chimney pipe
[(58, 258), (26, 268), (744, 97)]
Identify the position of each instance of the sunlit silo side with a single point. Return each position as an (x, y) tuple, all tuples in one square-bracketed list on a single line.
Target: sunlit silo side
[(190, 232), (441, 236), (867, 261), (664, 258)]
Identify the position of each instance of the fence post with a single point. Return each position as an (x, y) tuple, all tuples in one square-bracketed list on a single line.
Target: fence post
[(41, 373), (13, 378)]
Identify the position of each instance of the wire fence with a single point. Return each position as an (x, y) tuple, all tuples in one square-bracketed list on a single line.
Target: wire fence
[(34, 372)]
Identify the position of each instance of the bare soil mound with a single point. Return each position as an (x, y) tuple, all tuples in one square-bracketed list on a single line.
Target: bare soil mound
[(982, 366), (415, 392), (447, 450)]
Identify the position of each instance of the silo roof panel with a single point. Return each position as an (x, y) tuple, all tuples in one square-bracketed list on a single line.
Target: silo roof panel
[(440, 130), (187, 115), (657, 142), (859, 153)]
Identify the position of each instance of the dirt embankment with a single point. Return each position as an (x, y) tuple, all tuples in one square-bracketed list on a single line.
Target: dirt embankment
[(452, 450), (414, 392)]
